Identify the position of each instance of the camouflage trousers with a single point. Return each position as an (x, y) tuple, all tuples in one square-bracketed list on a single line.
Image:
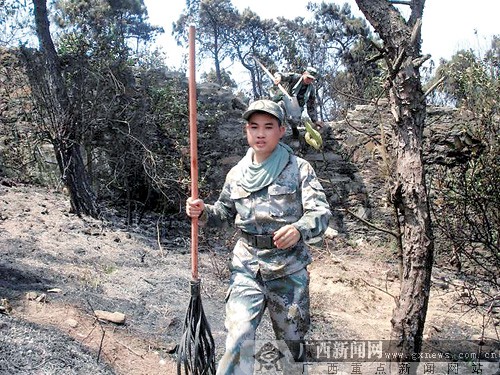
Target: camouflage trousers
[(287, 301)]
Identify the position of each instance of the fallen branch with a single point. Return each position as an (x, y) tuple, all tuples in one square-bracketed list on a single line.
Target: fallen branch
[(396, 299), (158, 239), (370, 224), (102, 330), (433, 87), (129, 349)]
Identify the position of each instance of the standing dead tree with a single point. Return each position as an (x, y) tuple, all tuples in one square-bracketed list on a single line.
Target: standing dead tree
[(401, 51), (49, 88)]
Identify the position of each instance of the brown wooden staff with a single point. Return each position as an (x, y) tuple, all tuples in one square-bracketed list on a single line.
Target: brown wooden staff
[(196, 350)]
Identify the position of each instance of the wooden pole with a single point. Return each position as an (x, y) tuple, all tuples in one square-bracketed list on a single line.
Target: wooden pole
[(193, 148)]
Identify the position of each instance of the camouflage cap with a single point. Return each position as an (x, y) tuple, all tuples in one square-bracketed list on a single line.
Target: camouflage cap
[(267, 106), (311, 72)]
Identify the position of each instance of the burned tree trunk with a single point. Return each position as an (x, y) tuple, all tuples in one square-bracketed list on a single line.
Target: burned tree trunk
[(401, 52), (49, 88)]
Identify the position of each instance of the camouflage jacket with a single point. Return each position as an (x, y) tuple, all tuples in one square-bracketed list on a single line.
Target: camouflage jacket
[(306, 94), (296, 197)]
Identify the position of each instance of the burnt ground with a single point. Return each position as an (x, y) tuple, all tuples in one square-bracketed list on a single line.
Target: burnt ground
[(56, 270)]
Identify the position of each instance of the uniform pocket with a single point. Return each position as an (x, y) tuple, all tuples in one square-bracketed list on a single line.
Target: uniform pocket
[(241, 201), (282, 200), (276, 190)]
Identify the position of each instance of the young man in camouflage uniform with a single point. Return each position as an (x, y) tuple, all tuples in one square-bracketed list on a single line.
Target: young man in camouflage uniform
[(277, 202)]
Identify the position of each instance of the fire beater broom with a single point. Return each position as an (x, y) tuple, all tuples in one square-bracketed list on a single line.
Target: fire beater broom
[(196, 350)]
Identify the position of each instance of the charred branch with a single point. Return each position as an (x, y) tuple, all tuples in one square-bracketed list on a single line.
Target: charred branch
[(400, 2)]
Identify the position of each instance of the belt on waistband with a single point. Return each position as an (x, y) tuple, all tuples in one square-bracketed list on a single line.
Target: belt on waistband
[(260, 241)]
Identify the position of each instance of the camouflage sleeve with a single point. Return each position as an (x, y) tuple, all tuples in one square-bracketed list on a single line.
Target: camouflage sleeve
[(290, 77), (314, 221), (222, 213)]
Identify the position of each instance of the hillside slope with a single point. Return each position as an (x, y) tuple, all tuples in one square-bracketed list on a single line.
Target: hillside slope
[(57, 269)]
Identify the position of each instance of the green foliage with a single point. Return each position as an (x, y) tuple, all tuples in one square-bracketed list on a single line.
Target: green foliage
[(471, 82), (14, 21), (214, 19), (102, 28), (467, 215), (343, 52), (467, 208), (211, 77), (333, 40), (255, 37)]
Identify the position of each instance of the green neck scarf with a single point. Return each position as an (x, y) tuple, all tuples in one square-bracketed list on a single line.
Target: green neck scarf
[(257, 176)]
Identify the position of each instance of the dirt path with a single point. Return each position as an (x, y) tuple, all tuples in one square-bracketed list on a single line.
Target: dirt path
[(57, 269)]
